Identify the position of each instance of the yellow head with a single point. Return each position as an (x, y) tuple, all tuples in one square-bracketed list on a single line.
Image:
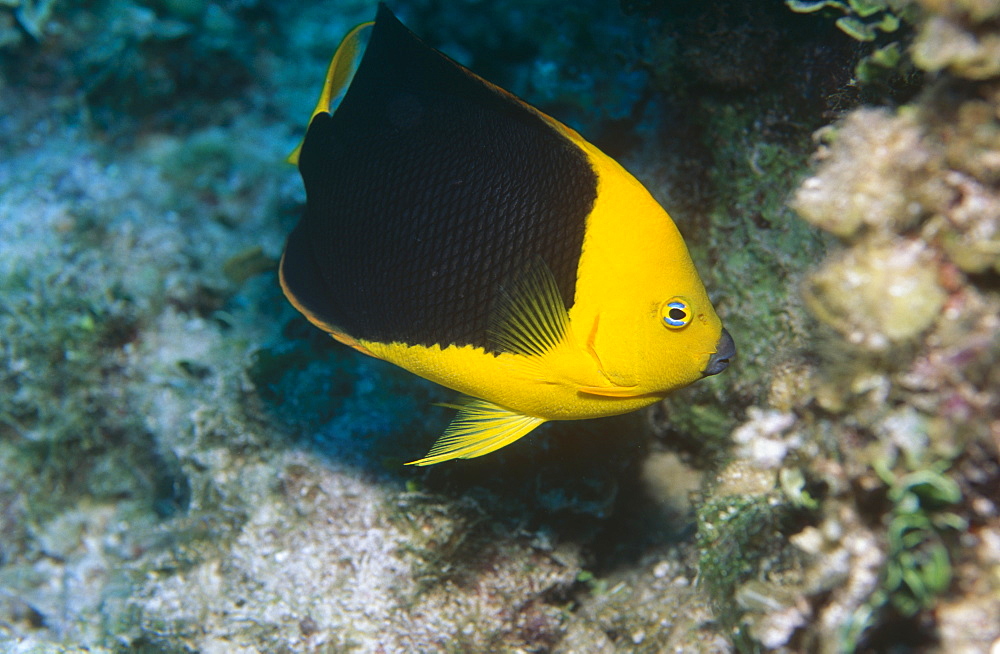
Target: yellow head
[(641, 308)]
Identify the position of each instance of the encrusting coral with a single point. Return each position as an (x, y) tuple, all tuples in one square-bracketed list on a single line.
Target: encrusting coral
[(891, 450)]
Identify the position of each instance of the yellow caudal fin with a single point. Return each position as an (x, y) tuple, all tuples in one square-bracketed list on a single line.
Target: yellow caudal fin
[(479, 428), (339, 75)]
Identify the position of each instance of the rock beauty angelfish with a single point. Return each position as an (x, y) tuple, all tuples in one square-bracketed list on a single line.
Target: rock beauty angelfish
[(456, 231)]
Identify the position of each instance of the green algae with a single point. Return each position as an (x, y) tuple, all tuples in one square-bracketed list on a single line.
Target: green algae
[(919, 565), (732, 533), (759, 248), (752, 255), (862, 19)]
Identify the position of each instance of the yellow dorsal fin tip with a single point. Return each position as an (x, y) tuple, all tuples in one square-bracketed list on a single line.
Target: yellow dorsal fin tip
[(338, 75)]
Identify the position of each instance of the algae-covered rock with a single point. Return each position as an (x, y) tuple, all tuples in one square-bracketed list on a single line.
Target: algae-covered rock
[(871, 176), (878, 295), (944, 43), (879, 457)]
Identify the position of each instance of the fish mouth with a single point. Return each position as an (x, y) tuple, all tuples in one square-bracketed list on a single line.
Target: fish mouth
[(725, 350)]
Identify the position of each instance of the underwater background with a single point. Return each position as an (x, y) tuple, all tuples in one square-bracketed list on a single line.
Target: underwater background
[(186, 465)]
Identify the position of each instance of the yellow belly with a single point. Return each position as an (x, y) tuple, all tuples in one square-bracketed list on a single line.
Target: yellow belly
[(514, 381)]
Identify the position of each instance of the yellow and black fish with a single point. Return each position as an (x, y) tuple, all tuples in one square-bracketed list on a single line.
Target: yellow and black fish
[(455, 231)]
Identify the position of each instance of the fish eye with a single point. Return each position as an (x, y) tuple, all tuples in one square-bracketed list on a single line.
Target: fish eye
[(676, 313)]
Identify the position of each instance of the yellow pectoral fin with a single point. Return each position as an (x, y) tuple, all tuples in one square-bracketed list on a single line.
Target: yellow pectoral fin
[(530, 318), (531, 322), (479, 428)]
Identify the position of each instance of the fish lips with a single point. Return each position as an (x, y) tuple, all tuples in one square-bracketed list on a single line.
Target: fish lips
[(725, 350)]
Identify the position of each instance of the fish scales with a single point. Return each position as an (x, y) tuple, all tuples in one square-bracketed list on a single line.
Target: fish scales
[(448, 232)]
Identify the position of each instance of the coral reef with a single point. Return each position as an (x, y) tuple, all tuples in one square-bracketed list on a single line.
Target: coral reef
[(189, 466), (889, 450)]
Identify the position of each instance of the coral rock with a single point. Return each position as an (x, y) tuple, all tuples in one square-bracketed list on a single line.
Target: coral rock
[(878, 294), (846, 195)]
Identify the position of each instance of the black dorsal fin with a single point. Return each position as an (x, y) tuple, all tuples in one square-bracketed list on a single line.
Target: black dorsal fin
[(427, 188)]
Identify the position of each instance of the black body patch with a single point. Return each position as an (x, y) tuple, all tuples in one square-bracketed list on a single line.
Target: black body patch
[(426, 190)]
